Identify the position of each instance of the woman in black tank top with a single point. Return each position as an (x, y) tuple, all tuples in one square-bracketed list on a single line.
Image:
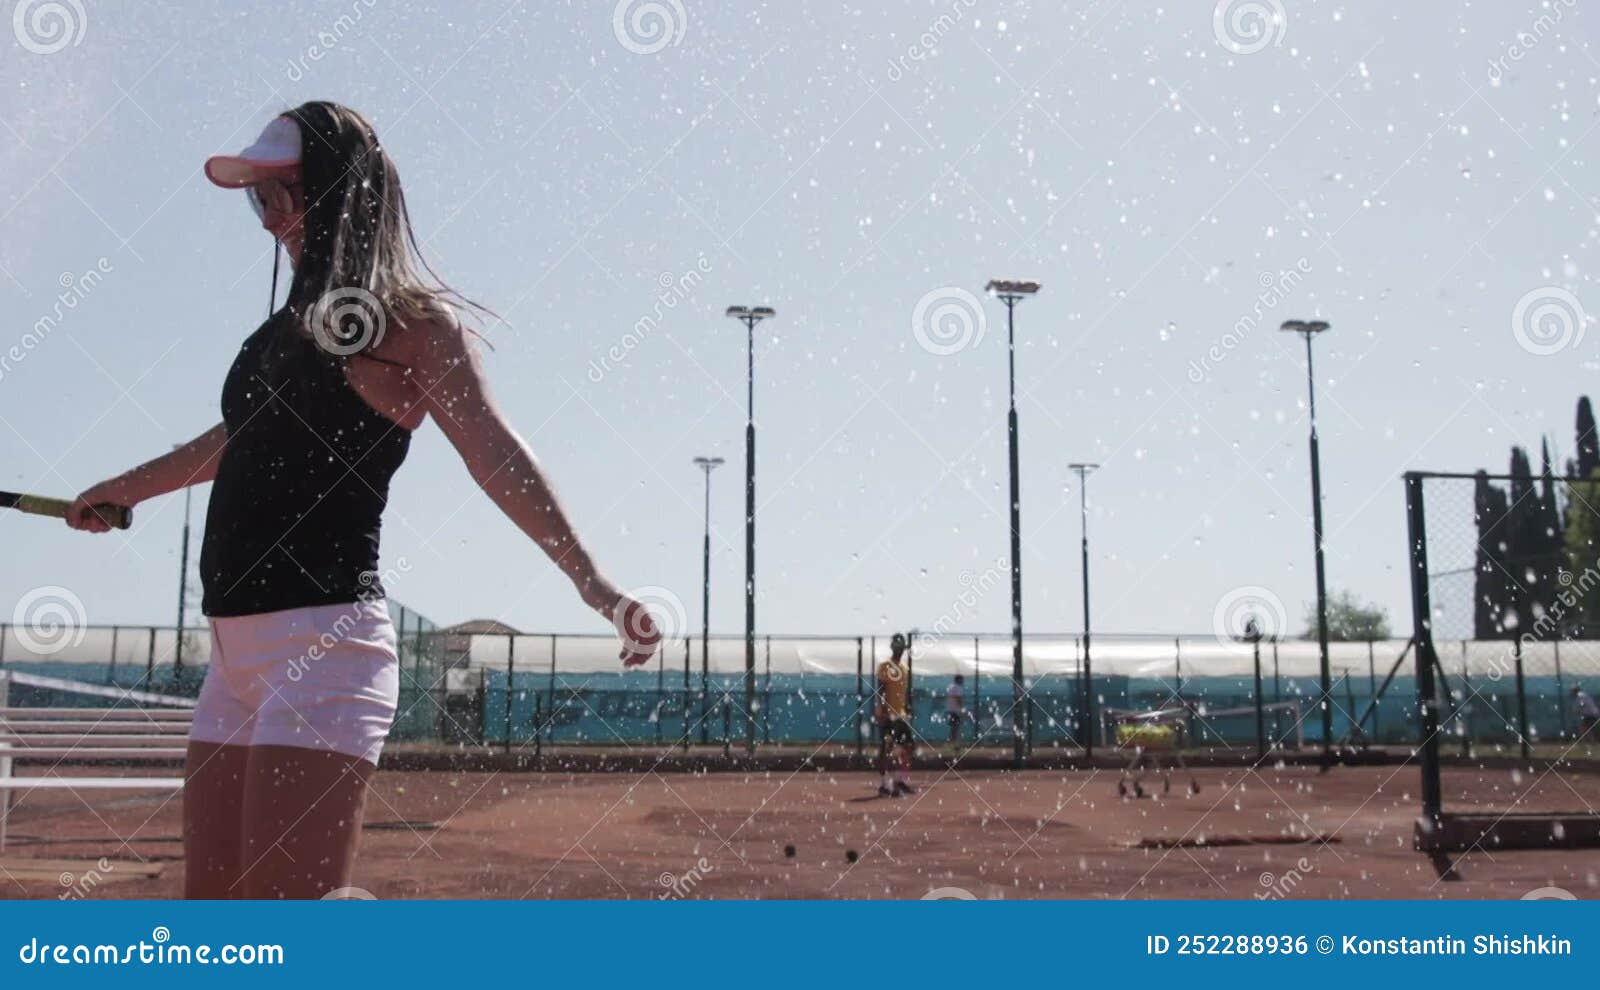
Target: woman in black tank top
[(317, 414)]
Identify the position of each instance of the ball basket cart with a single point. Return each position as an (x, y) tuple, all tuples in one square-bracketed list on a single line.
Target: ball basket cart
[(1152, 740)]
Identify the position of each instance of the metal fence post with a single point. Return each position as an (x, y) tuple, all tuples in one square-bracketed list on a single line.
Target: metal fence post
[(872, 662), (1086, 700), (1422, 635), (1372, 688), (1561, 691), (661, 688), (150, 659), (111, 672), (861, 727), (550, 720), (1467, 732), (1261, 715), (1350, 704), (977, 696), (687, 728), (1522, 698), (483, 707), (1026, 714), (1177, 666), (766, 697), (705, 693), (1277, 685), (511, 681)]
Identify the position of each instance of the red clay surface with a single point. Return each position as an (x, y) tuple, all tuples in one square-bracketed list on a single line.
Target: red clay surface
[(992, 834)]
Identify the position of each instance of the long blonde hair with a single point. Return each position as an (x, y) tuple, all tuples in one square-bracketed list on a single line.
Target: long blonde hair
[(360, 250)]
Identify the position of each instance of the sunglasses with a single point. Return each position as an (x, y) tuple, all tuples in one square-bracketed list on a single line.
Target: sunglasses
[(274, 195)]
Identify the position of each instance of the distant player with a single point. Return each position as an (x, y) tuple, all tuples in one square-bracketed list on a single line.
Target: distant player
[(955, 706), (1588, 711), (893, 715)]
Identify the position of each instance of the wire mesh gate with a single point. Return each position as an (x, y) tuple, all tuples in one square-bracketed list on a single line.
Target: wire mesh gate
[(1507, 565)]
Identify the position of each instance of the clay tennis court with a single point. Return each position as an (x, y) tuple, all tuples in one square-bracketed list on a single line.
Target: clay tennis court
[(993, 834)]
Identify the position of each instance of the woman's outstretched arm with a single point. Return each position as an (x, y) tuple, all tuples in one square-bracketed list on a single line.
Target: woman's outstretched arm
[(193, 463), (446, 367)]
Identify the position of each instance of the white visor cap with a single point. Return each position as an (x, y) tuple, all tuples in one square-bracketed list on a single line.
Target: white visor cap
[(272, 154)]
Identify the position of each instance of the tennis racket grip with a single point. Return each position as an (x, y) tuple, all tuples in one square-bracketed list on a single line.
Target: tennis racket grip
[(115, 516)]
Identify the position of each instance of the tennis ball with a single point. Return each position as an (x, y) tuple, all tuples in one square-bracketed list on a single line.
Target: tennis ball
[(789, 851), (850, 855)]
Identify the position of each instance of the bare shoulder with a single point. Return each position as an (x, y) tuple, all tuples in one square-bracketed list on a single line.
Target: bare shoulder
[(430, 343)]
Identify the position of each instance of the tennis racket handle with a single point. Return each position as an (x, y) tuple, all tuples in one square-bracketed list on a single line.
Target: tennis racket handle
[(115, 516)]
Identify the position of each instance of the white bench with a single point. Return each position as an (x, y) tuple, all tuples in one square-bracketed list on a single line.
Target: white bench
[(96, 735)]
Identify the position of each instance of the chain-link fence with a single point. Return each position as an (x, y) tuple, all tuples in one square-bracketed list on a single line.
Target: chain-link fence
[(1506, 614), (521, 691), (530, 691)]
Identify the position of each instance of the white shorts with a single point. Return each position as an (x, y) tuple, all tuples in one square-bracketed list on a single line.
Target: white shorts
[(324, 678)]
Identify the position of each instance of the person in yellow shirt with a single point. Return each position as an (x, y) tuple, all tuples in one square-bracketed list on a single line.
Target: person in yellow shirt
[(893, 715)]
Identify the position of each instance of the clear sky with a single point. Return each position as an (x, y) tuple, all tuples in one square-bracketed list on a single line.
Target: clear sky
[(1408, 172)]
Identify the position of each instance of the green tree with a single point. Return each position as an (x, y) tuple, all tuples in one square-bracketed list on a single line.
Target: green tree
[(1587, 439), (1582, 539), (1491, 593), (1349, 619)]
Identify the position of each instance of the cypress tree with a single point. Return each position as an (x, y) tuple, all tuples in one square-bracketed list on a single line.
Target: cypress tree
[(1522, 538), (1588, 440), (1549, 537), (1489, 591)]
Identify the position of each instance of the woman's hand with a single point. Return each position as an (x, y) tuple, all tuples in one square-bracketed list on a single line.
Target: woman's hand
[(82, 514), (637, 630)]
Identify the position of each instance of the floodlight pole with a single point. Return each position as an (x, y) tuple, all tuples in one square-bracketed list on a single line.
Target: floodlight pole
[(1252, 635), (706, 464), (1309, 330), (1011, 293), (750, 316), (183, 590), (1087, 690)]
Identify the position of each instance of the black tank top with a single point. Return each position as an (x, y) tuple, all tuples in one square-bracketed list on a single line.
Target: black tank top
[(299, 494)]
